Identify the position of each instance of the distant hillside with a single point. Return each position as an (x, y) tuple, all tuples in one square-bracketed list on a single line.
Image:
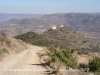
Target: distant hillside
[(5, 16), (62, 38), (10, 45), (65, 38), (34, 39), (83, 23)]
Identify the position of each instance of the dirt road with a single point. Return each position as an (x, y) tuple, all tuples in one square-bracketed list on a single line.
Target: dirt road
[(24, 63)]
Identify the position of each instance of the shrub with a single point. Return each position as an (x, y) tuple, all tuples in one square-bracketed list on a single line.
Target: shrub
[(3, 33), (65, 56), (3, 36), (83, 65), (8, 42), (82, 52), (94, 65), (3, 51)]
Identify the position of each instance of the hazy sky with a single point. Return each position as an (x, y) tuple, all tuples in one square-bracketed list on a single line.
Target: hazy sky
[(49, 6)]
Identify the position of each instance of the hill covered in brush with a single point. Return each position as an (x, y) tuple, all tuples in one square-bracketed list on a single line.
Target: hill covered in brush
[(65, 38), (61, 37), (34, 39)]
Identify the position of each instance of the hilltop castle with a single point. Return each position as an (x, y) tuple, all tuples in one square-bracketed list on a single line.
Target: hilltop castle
[(55, 27)]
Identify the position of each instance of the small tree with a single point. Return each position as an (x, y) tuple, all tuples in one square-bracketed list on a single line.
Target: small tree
[(94, 65)]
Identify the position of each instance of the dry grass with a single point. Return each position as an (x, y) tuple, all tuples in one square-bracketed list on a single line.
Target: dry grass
[(9, 45), (85, 58)]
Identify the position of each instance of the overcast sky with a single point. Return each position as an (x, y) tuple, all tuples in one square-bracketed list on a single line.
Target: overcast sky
[(49, 6)]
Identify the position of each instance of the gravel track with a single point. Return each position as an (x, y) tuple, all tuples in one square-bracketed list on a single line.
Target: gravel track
[(24, 63)]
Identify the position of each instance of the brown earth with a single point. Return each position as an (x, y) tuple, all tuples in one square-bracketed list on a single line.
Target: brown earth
[(27, 61)]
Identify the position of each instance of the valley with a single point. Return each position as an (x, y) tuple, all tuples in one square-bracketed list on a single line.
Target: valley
[(87, 24), (64, 40)]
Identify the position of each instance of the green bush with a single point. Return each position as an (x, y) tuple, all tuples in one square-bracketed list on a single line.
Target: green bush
[(94, 65), (65, 56), (83, 65), (4, 50)]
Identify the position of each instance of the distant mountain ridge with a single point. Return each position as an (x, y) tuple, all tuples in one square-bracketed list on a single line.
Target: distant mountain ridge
[(83, 23), (6, 16)]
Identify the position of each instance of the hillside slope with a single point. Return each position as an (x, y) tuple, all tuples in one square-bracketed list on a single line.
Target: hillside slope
[(33, 38), (65, 38), (61, 37), (10, 45)]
